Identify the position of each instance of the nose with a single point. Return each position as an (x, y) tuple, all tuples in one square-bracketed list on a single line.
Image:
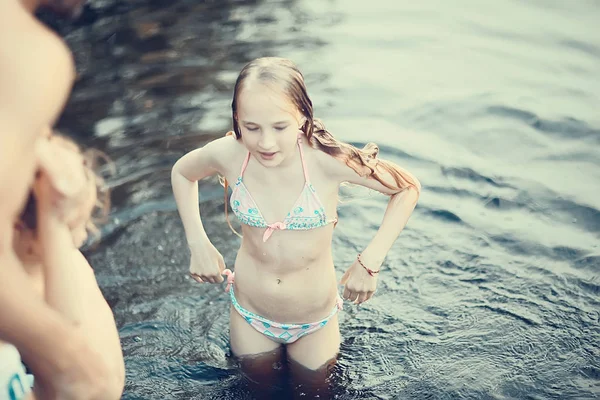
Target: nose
[(267, 140)]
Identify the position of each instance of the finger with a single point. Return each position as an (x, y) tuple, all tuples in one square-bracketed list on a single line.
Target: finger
[(208, 279), (196, 277), (347, 292), (369, 295), (361, 298), (345, 278), (222, 265), (219, 278)]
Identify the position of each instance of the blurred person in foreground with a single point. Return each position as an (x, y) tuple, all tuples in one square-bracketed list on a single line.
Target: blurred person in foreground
[(36, 76)]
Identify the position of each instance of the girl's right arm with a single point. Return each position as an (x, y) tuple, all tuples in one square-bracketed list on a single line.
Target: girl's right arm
[(206, 262), (186, 173)]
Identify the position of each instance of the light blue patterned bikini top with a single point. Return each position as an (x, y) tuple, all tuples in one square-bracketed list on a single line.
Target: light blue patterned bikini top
[(307, 213)]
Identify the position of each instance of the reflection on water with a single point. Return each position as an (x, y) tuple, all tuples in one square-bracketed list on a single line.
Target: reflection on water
[(492, 290)]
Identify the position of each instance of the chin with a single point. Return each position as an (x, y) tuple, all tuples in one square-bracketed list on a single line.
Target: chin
[(271, 163)]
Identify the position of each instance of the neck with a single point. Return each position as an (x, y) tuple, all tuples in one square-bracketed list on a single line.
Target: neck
[(293, 159), (281, 173)]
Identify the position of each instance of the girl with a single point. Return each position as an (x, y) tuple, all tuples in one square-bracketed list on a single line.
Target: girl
[(287, 170), (53, 224)]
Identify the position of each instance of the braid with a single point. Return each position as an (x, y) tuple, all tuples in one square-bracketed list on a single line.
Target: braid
[(363, 161)]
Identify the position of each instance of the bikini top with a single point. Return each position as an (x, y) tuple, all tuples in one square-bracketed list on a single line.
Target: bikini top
[(307, 213)]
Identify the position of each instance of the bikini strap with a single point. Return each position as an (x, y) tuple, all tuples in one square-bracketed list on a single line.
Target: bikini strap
[(306, 178), (245, 164)]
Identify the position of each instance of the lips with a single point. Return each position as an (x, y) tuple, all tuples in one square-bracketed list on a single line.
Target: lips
[(267, 156)]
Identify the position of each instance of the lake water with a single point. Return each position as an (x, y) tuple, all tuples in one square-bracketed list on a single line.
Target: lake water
[(491, 292)]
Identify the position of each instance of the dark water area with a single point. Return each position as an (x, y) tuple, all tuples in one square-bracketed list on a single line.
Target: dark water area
[(493, 289)]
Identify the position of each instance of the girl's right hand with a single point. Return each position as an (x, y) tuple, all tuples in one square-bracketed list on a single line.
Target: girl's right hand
[(206, 263)]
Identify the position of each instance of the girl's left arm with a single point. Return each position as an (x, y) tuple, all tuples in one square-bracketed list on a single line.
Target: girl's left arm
[(397, 213), (360, 280)]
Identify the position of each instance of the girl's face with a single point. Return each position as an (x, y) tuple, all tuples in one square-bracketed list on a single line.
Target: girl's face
[(269, 123)]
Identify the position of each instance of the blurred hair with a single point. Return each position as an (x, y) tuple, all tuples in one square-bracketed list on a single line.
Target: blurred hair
[(92, 159)]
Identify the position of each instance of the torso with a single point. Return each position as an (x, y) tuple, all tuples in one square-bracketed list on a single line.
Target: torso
[(290, 277)]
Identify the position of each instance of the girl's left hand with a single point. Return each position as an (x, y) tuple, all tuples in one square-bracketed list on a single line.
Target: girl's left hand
[(359, 286)]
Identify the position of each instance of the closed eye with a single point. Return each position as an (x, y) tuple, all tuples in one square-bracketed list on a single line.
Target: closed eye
[(280, 128), (253, 129)]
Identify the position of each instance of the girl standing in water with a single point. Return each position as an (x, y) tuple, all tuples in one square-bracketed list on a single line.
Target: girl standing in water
[(287, 170)]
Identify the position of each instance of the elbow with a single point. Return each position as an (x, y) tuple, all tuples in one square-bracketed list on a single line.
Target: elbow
[(177, 174), (119, 380), (175, 171), (115, 390), (181, 174), (412, 191), (115, 384), (416, 187)]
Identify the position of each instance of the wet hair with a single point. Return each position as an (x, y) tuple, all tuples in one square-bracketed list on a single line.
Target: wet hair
[(286, 75), (283, 72), (92, 159)]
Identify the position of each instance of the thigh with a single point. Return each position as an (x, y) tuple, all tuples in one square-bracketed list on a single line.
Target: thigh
[(310, 383), (261, 360), (311, 362), (245, 340), (315, 350)]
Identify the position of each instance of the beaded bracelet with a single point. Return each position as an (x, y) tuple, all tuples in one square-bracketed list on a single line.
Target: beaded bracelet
[(370, 271)]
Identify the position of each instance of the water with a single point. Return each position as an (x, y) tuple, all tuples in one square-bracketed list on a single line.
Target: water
[(491, 292)]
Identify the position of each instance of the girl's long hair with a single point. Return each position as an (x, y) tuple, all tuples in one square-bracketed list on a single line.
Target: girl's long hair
[(284, 73)]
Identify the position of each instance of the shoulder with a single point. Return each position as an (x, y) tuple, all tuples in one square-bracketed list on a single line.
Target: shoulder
[(332, 167), (225, 151), (217, 156), (364, 168)]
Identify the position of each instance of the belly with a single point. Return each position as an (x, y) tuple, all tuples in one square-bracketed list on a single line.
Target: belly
[(289, 278)]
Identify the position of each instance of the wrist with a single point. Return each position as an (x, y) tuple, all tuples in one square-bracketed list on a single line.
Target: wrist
[(373, 257), (53, 232), (48, 216), (371, 268), (200, 241)]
